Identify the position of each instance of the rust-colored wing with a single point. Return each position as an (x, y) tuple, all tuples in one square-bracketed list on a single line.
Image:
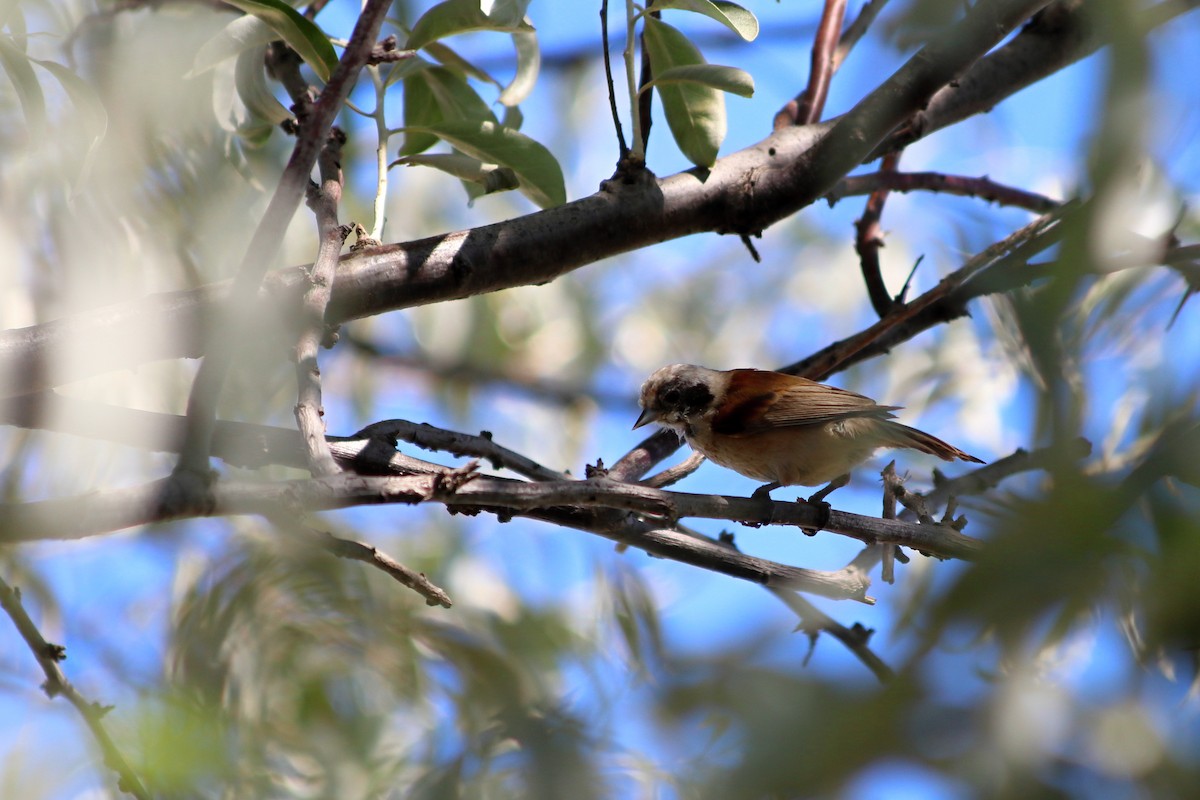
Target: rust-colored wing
[(758, 401)]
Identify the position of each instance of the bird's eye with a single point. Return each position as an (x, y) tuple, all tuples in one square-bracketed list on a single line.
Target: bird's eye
[(671, 397)]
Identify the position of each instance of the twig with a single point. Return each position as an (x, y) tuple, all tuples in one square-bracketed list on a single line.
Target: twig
[(982, 479), (856, 30), (622, 147), (868, 241), (48, 656), (856, 638), (806, 108), (676, 473), (323, 200), (460, 444), (888, 180), (888, 569), (357, 551)]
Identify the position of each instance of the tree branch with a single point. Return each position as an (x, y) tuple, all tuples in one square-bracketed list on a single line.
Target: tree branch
[(807, 106), (89, 515), (323, 200), (939, 182)]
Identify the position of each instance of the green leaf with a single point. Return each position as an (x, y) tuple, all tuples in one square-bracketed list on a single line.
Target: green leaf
[(739, 20), (462, 16), (235, 38), (435, 95), (725, 79), (529, 61), (492, 177), (540, 175), (449, 57), (695, 112), (301, 34), (24, 80), (420, 111)]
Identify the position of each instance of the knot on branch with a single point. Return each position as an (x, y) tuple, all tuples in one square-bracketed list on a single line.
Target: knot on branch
[(449, 482)]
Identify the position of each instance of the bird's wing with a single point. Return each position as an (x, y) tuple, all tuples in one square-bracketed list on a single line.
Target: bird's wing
[(758, 401)]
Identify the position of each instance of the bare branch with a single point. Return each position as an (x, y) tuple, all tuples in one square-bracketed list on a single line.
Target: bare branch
[(868, 241), (938, 182), (806, 108), (48, 657), (324, 201), (367, 554)]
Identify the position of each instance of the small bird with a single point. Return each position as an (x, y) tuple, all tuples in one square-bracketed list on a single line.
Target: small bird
[(778, 428)]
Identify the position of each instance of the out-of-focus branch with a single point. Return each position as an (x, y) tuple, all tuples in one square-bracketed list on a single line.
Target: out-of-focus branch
[(48, 657), (357, 551), (964, 186), (807, 106)]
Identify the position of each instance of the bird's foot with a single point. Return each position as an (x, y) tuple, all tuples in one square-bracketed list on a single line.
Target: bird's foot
[(818, 499), (763, 495)]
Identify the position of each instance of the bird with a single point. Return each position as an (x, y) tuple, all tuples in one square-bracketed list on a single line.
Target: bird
[(778, 428)]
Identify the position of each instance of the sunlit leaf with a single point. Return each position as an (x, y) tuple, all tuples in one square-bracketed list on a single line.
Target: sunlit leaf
[(739, 20), (301, 34), (529, 61), (450, 57), (236, 37), (540, 175), (491, 177), (461, 16), (695, 112), (252, 88), (725, 79)]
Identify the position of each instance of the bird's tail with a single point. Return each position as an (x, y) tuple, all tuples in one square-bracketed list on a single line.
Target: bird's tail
[(904, 436)]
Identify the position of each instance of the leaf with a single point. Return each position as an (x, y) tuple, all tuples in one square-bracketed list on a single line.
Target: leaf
[(449, 57), (251, 81), (505, 12), (695, 112), (235, 38), (455, 97), (739, 20), (725, 79), (301, 34), (420, 111), (92, 113), (492, 177), (529, 61), (462, 16), (540, 175), (24, 80)]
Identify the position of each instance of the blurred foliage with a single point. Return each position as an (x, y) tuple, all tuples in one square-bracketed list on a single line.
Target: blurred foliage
[(243, 663)]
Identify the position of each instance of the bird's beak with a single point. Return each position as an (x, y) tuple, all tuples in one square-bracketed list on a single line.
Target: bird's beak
[(646, 418)]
